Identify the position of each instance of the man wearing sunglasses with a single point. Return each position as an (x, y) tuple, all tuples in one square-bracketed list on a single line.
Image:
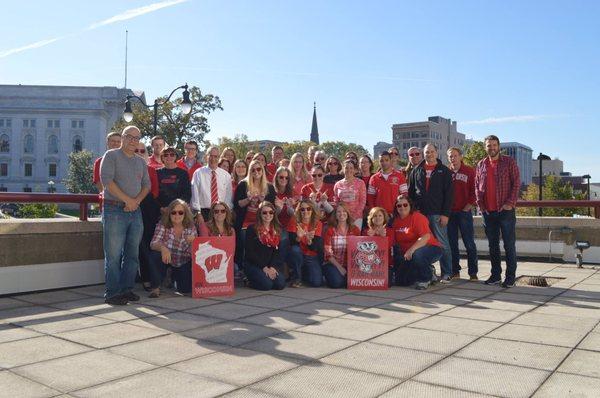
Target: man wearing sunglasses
[(126, 182), (430, 188), (414, 158), (210, 184)]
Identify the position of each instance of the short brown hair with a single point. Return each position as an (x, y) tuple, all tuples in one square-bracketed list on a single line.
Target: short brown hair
[(157, 137), (375, 210), (112, 134), (455, 148), (492, 137)]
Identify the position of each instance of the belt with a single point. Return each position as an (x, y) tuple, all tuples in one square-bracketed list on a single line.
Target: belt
[(114, 202)]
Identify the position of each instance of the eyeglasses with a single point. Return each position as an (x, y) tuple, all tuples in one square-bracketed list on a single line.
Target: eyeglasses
[(219, 211), (400, 205), (169, 154), (256, 169), (412, 155), (303, 209), (317, 175), (177, 213), (133, 137), (140, 151), (269, 212), (283, 177)]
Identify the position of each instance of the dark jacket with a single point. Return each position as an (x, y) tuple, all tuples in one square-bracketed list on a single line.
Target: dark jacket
[(258, 255), (438, 199), (241, 192), (173, 184)]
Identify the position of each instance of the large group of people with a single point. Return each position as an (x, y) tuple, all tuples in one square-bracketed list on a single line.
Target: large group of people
[(291, 218)]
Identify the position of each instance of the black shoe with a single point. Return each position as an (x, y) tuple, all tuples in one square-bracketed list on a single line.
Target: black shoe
[(493, 280), (116, 300), (131, 296), (508, 282)]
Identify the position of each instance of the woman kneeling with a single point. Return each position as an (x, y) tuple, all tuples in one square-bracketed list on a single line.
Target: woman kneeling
[(262, 257), (171, 245), (418, 248), (335, 243)]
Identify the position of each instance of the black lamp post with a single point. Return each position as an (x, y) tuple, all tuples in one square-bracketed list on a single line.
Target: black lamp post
[(51, 187), (541, 157), (186, 105), (588, 177)]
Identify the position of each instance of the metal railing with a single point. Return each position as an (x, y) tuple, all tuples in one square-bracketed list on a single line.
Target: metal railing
[(85, 199), (34, 197)]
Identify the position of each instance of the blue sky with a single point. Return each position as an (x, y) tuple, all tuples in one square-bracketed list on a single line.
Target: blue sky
[(526, 71)]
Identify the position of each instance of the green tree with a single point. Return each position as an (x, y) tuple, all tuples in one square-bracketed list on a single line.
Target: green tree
[(38, 210), (339, 148), (79, 176), (289, 148), (176, 127), (554, 189), (239, 143), (474, 153)]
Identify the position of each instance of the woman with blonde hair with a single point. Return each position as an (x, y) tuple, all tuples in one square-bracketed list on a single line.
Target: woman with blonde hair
[(262, 255), (250, 192), (299, 176), (306, 252), (377, 221), (229, 154), (335, 243), (171, 245)]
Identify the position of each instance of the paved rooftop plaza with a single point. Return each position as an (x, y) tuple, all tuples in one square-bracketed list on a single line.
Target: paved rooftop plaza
[(459, 340)]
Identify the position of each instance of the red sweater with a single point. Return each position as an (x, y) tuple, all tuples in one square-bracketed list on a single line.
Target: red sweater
[(181, 164), (383, 193), (463, 183)]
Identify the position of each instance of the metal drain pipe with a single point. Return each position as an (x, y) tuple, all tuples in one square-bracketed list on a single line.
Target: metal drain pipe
[(562, 230)]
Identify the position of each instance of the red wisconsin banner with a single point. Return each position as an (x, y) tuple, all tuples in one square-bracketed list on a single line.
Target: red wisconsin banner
[(367, 263), (212, 266)]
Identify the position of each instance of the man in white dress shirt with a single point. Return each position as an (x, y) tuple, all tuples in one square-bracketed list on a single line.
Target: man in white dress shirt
[(210, 184)]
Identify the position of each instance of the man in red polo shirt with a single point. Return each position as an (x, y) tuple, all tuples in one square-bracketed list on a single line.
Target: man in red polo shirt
[(276, 156), (386, 185), (113, 141), (158, 144), (190, 162), (497, 184), (461, 216)]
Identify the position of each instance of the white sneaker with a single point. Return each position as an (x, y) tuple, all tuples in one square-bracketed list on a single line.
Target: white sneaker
[(446, 279)]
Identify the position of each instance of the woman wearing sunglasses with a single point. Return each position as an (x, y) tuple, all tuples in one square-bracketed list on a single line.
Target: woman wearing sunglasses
[(172, 246), (333, 166), (173, 182), (340, 226), (418, 248), (285, 203), (262, 255), (306, 251), (319, 192), (220, 221), (251, 191), (352, 192)]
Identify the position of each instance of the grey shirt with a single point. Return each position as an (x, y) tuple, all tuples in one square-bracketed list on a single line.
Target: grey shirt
[(129, 173)]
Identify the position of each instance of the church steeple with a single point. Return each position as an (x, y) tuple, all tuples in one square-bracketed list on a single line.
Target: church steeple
[(314, 131)]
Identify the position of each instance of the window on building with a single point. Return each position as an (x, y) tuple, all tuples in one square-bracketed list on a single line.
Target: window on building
[(53, 144), (29, 123), (53, 124), (77, 144), (28, 172), (77, 124), (27, 189), (28, 144), (1, 122), (3, 189), (52, 170), (3, 169), (4, 143), (8, 122)]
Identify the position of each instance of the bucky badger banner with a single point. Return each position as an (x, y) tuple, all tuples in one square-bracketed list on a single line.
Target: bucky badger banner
[(367, 263), (212, 266)]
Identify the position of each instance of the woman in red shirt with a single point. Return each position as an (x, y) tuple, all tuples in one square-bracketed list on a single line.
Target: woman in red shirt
[(298, 174), (418, 248), (306, 252), (335, 244), (319, 192), (377, 221)]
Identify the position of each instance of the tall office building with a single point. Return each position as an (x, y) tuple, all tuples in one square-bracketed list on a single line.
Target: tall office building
[(437, 130), (41, 125), (522, 155)]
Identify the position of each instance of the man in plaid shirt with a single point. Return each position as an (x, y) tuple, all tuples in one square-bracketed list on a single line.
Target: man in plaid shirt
[(497, 186)]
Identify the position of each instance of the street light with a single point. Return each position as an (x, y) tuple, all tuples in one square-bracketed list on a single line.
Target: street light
[(588, 177), (541, 157), (186, 105), (51, 187)]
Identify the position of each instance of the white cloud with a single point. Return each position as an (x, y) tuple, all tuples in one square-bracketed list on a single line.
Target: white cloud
[(31, 46), (135, 12), (510, 119)]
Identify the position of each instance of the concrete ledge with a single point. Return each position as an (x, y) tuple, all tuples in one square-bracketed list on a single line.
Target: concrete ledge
[(28, 278)]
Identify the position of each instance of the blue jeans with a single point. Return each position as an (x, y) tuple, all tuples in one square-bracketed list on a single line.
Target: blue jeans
[(333, 276), (121, 237), (305, 268), (504, 222), (462, 221), (260, 281), (441, 234), (419, 267), (182, 275)]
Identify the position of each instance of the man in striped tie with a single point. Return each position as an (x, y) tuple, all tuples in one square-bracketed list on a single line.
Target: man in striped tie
[(209, 185)]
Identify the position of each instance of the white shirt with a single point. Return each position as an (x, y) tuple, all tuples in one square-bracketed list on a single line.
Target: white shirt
[(201, 187)]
